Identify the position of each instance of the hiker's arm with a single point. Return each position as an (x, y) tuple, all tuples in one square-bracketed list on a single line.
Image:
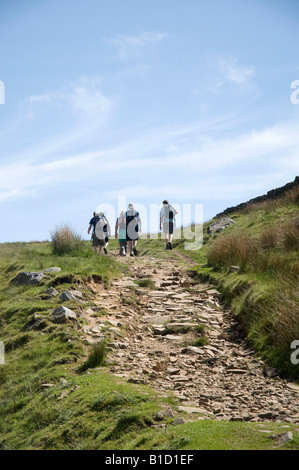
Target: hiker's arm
[(160, 222), (89, 229), (116, 228)]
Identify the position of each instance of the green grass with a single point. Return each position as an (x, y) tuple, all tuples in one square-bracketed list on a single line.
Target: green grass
[(96, 411), (96, 357), (56, 391), (263, 242), (147, 283)]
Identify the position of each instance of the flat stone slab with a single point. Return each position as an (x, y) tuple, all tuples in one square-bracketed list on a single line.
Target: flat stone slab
[(192, 409), (156, 319), (173, 338), (54, 269)]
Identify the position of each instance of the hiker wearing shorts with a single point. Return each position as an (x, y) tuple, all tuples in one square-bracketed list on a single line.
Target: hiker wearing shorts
[(101, 232), (133, 226), (167, 222), (121, 233)]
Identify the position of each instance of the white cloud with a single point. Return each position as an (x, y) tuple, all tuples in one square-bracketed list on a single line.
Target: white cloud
[(134, 46), (235, 73), (45, 98), (83, 96), (174, 152)]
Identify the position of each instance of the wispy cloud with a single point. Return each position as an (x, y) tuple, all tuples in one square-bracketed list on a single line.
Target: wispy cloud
[(83, 96), (231, 71), (176, 153), (235, 73), (135, 46), (226, 79), (59, 120)]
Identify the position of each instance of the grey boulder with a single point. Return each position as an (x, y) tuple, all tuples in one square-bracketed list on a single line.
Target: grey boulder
[(29, 278), (217, 227), (63, 314)]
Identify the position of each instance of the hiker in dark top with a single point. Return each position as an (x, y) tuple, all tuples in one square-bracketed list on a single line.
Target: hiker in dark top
[(121, 233), (101, 232), (167, 222), (133, 223)]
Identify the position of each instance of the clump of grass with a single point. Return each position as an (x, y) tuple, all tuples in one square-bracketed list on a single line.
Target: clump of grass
[(202, 341), (200, 329), (293, 195), (278, 327), (65, 240), (128, 422), (96, 357), (232, 250), (269, 238), (116, 400), (132, 300), (291, 235), (149, 283)]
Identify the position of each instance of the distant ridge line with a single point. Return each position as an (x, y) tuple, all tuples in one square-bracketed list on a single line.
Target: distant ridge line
[(273, 194)]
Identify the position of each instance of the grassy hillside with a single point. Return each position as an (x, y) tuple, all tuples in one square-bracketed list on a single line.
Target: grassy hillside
[(49, 401), (262, 289)]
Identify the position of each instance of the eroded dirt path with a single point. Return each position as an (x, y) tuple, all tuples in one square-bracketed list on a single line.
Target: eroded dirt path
[(154, 331)]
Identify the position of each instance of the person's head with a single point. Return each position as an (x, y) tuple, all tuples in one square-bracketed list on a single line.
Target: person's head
[(131, 206), (98, 214), (165, 202)]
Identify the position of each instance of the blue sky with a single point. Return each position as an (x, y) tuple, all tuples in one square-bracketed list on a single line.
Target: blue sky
[(143, 100)]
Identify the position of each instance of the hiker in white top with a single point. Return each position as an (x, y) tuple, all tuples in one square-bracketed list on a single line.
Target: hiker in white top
[(133, 224), (167, 222), (101, 232)]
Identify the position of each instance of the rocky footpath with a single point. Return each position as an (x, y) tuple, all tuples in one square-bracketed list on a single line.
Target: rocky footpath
[(174, 335)]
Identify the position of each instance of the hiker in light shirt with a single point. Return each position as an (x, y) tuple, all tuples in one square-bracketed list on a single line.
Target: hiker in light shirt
[(167, 222)]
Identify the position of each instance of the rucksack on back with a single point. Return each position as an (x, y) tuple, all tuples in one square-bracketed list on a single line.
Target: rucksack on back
[(169, 213), (132, 223), (100, 227)]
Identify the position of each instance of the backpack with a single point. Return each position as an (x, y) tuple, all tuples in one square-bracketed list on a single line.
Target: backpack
[(132, 223), (169, 213), (100, 227)]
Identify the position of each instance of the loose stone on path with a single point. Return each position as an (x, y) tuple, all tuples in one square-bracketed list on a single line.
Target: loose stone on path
[(158, 343)]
